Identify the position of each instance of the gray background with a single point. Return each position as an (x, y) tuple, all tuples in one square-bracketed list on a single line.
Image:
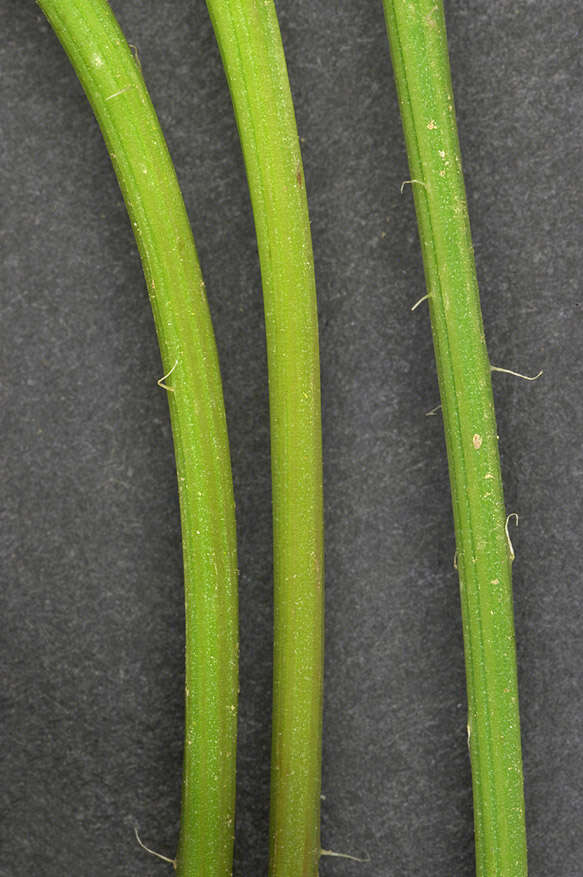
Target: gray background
[(91, 599)]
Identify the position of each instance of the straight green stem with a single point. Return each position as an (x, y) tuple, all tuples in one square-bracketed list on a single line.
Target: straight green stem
[(419, 53), (114, 85), (249, 39)]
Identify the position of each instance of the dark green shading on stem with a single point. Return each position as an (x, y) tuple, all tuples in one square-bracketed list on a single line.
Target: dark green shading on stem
[(112, 80), (248, 35), (420, 60)]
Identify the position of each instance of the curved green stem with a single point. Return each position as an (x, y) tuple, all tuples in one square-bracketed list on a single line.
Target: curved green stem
[(250, 43), (420, 60), (115, 88)]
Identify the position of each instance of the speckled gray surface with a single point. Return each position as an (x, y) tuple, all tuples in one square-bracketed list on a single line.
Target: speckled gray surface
[(91, 602)]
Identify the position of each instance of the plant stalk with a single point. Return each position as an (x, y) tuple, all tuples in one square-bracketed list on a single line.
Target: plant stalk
[(249, 39), (419, 53), (114, 85)]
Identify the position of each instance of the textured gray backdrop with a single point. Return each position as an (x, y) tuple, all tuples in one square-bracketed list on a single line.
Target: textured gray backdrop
[(91, 601)]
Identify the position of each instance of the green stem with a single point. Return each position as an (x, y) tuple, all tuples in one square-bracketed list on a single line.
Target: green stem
[(113, 83), (420, 60), (248, 35)]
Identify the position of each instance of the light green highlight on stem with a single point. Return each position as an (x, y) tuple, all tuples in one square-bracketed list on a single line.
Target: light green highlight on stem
[(113, 83), (418, 43), (250, 43)]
